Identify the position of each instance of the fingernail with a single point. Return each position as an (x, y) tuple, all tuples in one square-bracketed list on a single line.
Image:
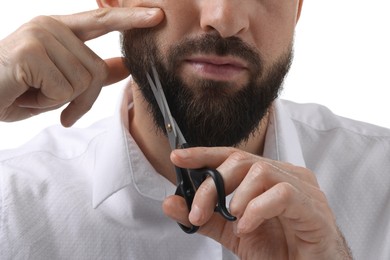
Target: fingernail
[(195, 215), (152, 11), (182, 153)]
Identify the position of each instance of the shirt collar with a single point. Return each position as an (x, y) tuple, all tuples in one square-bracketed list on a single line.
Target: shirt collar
[(112, 165), (120, 162), (282, 141)]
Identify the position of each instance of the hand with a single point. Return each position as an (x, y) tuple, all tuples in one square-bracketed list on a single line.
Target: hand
[(282, 213), (45, 63)]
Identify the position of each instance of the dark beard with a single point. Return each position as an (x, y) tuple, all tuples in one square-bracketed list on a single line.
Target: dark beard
[(210, 114)]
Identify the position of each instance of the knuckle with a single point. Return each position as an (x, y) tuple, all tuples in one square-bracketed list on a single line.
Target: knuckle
[(321, 196), (252, 206), (32, 39), (101, 15), (207, 187), (29, 36), (29, 47), (260, 171), (85, 80), (28, 52), (308, 175), (82, 79), (238, 155), (285, 191), (101, 70), (42, 19), (61, 91), (235, 158)]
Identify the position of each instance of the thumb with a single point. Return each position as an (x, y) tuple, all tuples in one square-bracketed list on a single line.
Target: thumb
[(117, 70)]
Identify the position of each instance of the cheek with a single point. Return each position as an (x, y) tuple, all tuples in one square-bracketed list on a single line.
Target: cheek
[(180, 19), (273, 41), (273, 30)]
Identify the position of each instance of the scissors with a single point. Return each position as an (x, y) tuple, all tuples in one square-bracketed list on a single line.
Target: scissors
[(188, 180)]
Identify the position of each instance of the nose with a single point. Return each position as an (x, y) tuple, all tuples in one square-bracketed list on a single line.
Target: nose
[(228, 17)]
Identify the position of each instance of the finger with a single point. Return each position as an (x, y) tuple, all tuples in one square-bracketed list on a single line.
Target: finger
[(233, 171), (198, 157), (74, 71), (204, 202), (82, 104), (213, 157), (175, 207), (15, 113), (62, 35), (262, 176), (82, 68), (117, 71), (47, 86), (77, 108), (266, 206), (309, 219), (282, 200), (92, 24)]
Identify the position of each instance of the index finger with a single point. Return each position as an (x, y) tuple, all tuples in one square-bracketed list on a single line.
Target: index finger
[(199, 157), (92, 24)]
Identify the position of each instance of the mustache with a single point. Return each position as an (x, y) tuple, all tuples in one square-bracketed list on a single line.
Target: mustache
[(213, 43), (208, 43)]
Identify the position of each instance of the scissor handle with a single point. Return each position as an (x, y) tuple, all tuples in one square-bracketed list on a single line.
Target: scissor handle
[(187, 191), (189, 181)]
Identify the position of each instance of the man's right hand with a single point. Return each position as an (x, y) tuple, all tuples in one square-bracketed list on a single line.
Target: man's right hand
[(45, 63)]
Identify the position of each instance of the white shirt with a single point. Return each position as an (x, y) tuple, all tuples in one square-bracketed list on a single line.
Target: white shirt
[(91, 193)]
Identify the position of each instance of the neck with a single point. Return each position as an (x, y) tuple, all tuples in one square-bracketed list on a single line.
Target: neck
[(155, 145)]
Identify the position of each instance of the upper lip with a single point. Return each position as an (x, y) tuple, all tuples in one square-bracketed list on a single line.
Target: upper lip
[(219, 60)]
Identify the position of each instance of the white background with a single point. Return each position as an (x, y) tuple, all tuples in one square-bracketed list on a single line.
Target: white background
[(342, 55)]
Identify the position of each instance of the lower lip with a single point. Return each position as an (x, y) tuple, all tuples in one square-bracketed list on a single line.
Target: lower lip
[(220, 72)]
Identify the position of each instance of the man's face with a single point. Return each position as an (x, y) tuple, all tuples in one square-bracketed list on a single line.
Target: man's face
[(221, 63)]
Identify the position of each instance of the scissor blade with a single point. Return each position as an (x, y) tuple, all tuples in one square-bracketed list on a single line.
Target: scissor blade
[(167, 111), (179, 138), (157, 96), (169, 121), (181, 141)]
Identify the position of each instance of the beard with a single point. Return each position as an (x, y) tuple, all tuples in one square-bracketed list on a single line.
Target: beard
[(209, 113)]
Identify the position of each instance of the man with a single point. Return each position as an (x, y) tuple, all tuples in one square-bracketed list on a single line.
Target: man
[(221, 64)]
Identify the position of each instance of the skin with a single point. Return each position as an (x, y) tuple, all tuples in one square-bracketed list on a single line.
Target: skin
[(281, 211)]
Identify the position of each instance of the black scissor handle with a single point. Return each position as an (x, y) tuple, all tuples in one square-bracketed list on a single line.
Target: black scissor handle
[(187, 191), (189, 181)]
